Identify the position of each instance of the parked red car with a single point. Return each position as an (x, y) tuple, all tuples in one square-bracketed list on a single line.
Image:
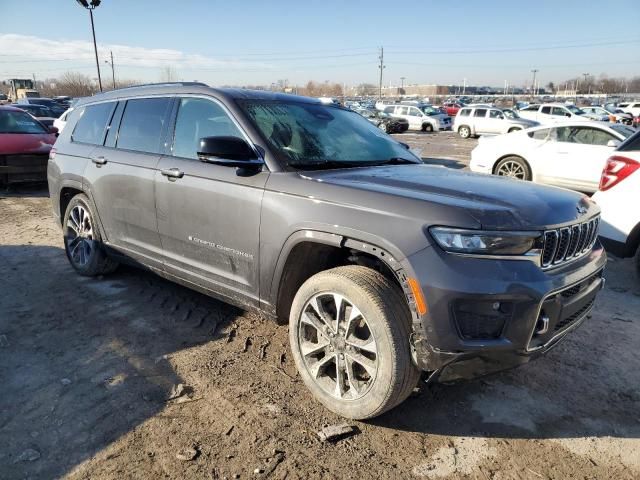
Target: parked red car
[(24, 146), (452, 108)]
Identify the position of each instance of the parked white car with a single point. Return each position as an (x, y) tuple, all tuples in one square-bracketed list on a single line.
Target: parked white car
[(61, 121), (619, 197), (482, 120), (420, 120), (570, 155), (605, 114), (633, 108), (553, 113)]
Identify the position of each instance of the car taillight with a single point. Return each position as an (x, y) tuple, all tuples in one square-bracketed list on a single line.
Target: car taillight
[(52, 154), (617, 169)]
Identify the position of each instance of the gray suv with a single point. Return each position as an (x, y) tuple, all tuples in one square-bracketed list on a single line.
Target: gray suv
[(382, 266)]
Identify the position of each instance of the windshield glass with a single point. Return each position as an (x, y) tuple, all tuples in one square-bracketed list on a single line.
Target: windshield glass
[(19, 122), (623, 130), (429, 110), (308, 135), (575, 110)]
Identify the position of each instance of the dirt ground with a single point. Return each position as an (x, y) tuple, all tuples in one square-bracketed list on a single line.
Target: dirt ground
[(88, 368)]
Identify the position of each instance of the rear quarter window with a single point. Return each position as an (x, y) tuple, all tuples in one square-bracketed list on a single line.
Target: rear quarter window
[(92, 124)]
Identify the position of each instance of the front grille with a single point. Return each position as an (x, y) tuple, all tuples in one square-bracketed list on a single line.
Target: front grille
[(570, 292), (568, 243), (565, 322)]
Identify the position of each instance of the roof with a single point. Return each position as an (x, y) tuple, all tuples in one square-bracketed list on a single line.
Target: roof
[(194, 87), (11, 108)]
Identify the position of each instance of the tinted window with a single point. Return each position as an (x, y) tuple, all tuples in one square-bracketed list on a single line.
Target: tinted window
[(583, 135), (632, 144), (142, 124), (480, 112), (539, 134), (92, 123), (19, 122), (465, 112), (546, 110), (198, 118)]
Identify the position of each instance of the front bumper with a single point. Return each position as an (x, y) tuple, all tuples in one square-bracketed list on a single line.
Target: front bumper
[(23, 168), (487, 315)]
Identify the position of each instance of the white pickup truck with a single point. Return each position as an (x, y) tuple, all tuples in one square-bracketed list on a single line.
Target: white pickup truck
[(553, 113)]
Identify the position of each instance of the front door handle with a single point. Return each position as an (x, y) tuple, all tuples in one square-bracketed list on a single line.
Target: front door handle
[(99, 160), (172, 172)]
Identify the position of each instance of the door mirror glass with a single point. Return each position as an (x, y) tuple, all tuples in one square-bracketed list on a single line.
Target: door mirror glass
[(613, 143), (211, 149)]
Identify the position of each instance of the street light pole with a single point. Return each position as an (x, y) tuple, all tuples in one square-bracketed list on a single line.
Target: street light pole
[(533, 84), (91, 5), (113, 71)]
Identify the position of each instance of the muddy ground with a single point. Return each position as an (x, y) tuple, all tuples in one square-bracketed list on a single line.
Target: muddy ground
[(88, 366)]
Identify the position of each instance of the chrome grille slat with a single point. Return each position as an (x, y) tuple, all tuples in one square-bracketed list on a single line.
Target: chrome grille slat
[(564, 244)]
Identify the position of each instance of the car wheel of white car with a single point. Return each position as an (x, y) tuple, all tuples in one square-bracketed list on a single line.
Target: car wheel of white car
[(514, 167), (427, 127), (464, 131)]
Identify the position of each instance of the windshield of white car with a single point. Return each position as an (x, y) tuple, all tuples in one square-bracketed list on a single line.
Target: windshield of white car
[(623, 130), (575, 110), (311, 135)]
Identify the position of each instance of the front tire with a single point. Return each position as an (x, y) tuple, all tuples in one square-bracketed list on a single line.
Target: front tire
[(427, 127), (464, 131), (83, 241), (349, 331), (514, 167)]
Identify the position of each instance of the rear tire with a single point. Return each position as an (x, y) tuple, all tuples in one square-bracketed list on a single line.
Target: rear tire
[(464, 131), (514, 167), (83, 241), (360, 365), (427, 127)]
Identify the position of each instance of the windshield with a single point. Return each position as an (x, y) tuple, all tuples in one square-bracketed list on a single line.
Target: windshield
[(429, 110), (575, 110), (623, 130), (19, 122), (310, 135)]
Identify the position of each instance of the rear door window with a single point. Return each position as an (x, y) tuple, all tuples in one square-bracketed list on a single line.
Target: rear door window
[(142, 125), (546, 110), (480, 112), (92, 124)]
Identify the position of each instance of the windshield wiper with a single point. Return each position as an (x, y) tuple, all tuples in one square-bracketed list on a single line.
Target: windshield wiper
[(328, 164), (396, 161)]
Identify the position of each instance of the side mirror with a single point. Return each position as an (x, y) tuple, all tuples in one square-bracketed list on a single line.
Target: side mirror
[(53, 130), (228, 152), (405, 145), (567, 114), (613, 143)]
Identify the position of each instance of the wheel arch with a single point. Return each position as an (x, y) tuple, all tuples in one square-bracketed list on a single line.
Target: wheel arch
[(317, 251), (502, 157)]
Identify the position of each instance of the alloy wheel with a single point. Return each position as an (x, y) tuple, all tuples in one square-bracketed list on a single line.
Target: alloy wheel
[(79, 236), (512, 169), (337, 347)]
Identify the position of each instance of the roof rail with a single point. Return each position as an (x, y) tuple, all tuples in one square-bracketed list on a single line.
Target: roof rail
[(162, 84)]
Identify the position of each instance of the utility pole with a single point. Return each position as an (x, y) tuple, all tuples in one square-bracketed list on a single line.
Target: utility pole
[(91, 5), (381, 67), (402, 84), (464, 85), (533, 84), (113, 71), (586, 76)]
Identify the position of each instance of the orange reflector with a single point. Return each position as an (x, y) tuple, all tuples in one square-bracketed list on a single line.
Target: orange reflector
[(417, 294)]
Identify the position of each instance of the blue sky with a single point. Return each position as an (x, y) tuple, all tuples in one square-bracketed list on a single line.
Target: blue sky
[(259, 42)]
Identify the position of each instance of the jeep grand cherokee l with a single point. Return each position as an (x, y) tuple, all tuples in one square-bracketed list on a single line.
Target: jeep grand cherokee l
[(383, 266)]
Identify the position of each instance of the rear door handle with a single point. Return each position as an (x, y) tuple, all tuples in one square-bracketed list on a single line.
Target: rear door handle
[(99, 160), (172, 172)]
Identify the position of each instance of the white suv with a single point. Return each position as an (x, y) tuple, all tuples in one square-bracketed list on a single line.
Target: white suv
[(485, 120), (553, 113), (426, 120), (619, 198)]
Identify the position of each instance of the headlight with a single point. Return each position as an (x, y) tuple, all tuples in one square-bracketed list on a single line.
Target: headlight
[(486, 242)]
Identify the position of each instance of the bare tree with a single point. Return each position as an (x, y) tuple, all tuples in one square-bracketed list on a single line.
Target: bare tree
[(168, 74), (73, 84)]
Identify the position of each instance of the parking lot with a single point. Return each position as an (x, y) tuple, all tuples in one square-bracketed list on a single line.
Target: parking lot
[(131, 376)]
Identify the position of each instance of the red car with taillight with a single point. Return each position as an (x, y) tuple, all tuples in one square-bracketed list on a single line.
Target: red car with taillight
[(25, 144)]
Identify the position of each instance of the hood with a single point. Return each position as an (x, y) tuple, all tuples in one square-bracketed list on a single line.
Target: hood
[(498, 203), (524, 122), (20, 143)]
